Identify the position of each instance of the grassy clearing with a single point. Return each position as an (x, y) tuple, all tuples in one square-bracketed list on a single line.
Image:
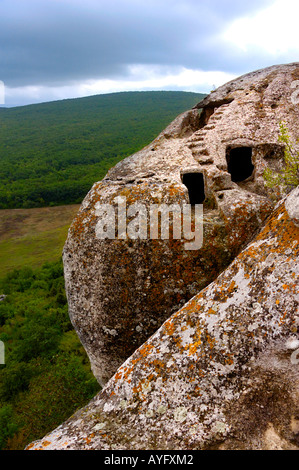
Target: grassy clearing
[(32, 237)]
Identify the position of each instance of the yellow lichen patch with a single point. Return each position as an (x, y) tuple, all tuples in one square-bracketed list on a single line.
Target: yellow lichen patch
[(293, 288), (118, 375), (142, 352), (231, 287), (169, 327), (193, 306), (89, 438), (229, 360), (30, 446), (282, 318), (158, 365), (46, 443), (192, 348), (211, 341), (137, 389), (285, 234), (128, 372), (211, 311)]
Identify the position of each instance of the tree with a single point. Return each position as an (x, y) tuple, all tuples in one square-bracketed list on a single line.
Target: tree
[(7, 425), (288, 178)]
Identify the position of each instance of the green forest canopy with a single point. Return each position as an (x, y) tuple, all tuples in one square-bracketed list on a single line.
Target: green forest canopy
[(46, 376), (52, 153)]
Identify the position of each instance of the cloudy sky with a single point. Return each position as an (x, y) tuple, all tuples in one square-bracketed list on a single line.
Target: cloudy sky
[(56, 49)]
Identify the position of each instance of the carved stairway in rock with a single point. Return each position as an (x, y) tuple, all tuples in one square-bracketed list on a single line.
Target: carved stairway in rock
[(198, 143)]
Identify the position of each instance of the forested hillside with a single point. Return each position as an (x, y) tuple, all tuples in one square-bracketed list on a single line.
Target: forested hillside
[(52, 153), (46, 375)]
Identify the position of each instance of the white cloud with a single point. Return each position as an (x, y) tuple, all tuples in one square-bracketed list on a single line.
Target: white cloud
[(140, 77), (273, 30)]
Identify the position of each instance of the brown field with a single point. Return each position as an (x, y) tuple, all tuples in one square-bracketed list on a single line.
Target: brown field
[(31, 237)]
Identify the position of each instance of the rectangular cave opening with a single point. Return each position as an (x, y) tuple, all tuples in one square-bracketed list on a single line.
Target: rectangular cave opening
[(194, 182), (239, 163)]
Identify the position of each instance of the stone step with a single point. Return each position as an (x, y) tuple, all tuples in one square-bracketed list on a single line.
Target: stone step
[(197, 139), (218, 117), (199, 152), (204, 160), (196, 145)]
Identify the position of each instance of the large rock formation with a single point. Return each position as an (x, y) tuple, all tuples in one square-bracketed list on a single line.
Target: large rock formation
[(221, 373), (120, 291)]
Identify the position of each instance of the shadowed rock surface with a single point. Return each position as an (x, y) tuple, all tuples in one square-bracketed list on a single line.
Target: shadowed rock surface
[(121, 291), (221, 373)]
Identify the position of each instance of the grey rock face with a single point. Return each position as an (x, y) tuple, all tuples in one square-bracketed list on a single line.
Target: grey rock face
[(292, 206), (120, 291), (221, 373)]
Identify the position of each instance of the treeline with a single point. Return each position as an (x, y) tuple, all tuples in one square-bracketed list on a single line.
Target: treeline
[(52, 153), (46, 375)]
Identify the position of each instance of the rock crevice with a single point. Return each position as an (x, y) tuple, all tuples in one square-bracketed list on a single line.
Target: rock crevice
[(113, 285), (221, 373)]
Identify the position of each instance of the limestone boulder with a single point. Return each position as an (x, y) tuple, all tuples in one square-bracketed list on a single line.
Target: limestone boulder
[(292, 206), (121, 290), (221, 373)]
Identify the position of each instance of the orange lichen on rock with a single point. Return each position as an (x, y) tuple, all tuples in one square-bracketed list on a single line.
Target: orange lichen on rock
[(203, 344), (207, 364)]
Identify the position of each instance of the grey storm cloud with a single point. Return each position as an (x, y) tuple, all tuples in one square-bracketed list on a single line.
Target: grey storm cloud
[(53, 41)]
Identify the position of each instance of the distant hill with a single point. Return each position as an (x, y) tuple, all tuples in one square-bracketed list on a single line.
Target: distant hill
[(52, 153)]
